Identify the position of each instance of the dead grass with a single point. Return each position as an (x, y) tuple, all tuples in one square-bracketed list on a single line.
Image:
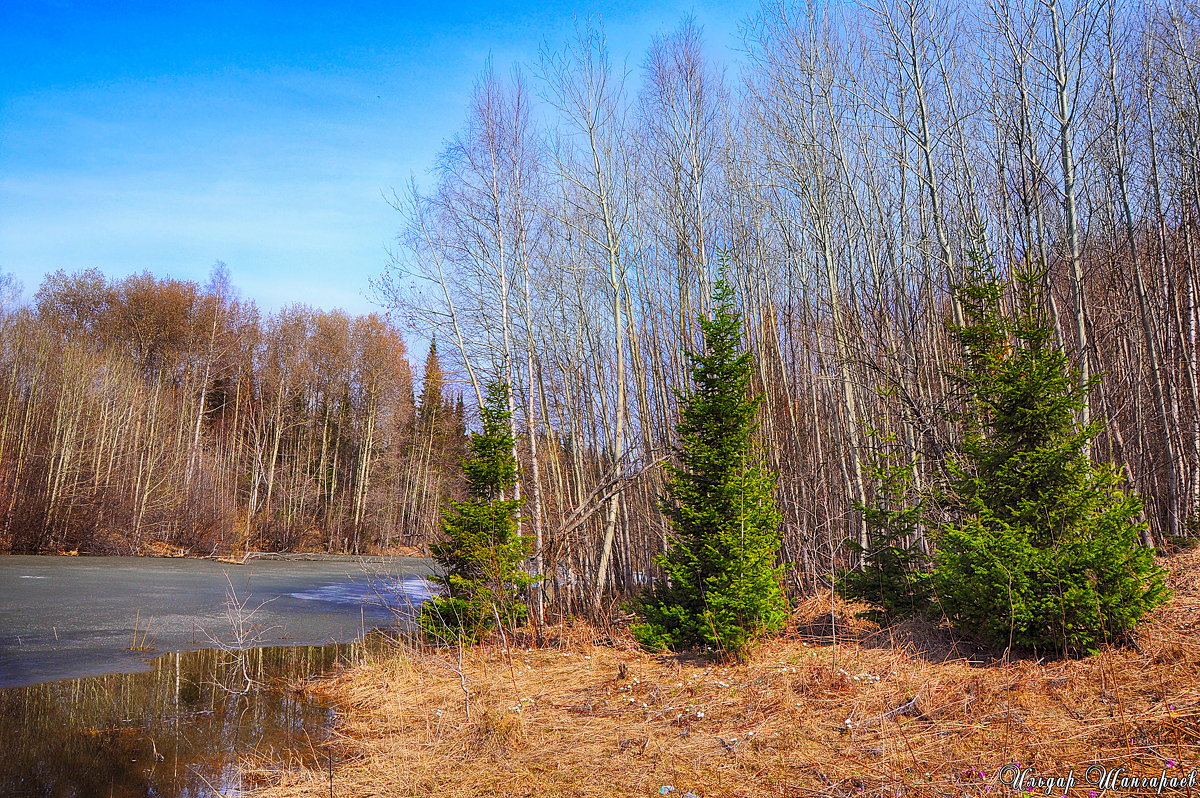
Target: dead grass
[(906, 711)]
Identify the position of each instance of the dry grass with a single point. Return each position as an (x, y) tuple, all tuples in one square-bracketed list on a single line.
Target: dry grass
[(896, 712)]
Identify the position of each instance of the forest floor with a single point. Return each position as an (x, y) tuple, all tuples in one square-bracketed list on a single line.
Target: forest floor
[(907, 711)]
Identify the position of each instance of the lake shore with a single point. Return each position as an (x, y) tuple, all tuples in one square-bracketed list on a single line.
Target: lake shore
[(156, 549), (898, 712)]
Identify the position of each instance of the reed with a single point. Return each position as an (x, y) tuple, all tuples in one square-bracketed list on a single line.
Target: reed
[(138, 643)]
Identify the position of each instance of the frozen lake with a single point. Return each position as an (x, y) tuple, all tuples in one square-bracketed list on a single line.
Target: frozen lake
[(64, 617)]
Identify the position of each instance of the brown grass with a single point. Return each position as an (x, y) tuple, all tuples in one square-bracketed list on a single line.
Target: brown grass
[(906, 711)]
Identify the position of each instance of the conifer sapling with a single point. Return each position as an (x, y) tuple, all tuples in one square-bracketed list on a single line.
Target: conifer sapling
[(482, 554), (723, 584), (1045, 551)]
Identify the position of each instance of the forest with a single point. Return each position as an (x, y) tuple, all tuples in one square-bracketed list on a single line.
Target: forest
[(842, 176), (148, 415)]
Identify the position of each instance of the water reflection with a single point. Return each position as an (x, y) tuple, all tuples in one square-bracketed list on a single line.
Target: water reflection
[(179, 730)]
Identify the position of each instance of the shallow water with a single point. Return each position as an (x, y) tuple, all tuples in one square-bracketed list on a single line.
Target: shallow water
[(182, 728), (63, 617), (178, 724)]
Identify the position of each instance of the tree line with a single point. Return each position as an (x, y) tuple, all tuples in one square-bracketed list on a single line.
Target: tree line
[(151, 414), (850, 168), (1024, 542)]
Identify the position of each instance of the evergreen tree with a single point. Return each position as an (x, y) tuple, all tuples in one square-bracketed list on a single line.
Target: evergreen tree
[(723, 584), (482, 554), (1045, 547), (894, 575), (431, 408)]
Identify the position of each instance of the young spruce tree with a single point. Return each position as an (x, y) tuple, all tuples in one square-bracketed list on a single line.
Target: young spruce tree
[(482, 554), (1045, 549), (723, 584), (893, 575)]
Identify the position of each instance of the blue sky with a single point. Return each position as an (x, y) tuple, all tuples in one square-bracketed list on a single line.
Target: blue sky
[(167, 136)]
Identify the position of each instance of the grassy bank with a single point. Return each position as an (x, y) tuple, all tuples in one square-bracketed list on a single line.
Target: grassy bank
[(905, 711)]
